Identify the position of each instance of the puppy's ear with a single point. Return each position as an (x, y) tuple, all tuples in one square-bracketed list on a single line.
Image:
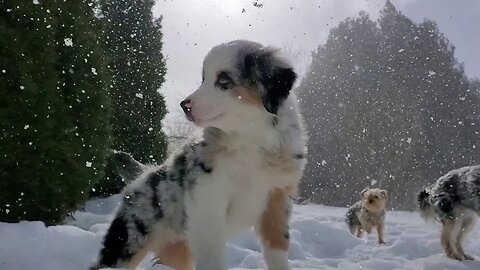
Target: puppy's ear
[(362, 193), (384, 193), (273, 77)]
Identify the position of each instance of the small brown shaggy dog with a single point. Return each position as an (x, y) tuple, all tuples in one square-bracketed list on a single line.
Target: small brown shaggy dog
[(368, 213)]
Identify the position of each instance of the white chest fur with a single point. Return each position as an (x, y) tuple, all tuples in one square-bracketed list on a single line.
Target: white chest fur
[(247, 177), (245, 168)]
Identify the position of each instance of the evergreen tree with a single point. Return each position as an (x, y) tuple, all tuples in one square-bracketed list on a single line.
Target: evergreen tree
[(54, 110), (133, 40), (339, 90), (475, 86), (386, 104)]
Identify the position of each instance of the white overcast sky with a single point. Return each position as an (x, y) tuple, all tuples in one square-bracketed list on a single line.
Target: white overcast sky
[(192, 27)]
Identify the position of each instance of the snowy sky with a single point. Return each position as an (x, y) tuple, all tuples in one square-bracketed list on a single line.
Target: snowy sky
[(192, 27)]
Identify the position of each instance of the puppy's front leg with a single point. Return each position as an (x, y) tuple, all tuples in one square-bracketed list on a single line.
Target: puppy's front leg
[(206, 216), (380, 228), (273, 229)]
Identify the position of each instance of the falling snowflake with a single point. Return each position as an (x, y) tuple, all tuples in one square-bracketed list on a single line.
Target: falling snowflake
[(88, 164), (409, 140), (401, 50), (431, 73), (94, 71), (324, 162), (68, 42), (373, 182), (35, 2), (139, 95), (26, 126), (22, 87)]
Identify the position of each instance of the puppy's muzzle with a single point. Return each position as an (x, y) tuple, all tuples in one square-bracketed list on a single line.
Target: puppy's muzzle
[(187, 109)]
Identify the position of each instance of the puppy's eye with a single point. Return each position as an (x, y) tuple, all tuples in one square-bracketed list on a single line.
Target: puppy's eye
[(376, 197), (224, 81), (224, 84)]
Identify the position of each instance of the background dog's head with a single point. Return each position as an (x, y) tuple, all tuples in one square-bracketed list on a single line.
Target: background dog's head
[(374, 199), (425, 207), (243, 85)]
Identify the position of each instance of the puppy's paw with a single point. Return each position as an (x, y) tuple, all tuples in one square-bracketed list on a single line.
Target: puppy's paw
[(455, 256)]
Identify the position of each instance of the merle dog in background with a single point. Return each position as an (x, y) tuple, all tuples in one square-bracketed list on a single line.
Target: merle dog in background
[(454, 200)]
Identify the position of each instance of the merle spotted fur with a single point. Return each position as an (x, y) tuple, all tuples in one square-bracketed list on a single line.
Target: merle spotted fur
[(275, 81), (459, 187), (205, 179), (154, 198), (453, 200)]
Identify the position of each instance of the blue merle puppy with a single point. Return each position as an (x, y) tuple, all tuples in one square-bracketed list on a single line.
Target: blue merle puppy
[(368, 213), (454, 200), (240, 174)]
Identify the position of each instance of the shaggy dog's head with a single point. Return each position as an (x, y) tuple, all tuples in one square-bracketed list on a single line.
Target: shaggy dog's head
[(243, 85), (374, 199), (425, 207)]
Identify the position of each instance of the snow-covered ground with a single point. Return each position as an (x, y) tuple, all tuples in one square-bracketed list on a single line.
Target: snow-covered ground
[(319, 236)]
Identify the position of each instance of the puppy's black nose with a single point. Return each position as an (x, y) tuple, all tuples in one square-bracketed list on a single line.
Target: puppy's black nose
[(187, 108), (370, 201), (186, 105)]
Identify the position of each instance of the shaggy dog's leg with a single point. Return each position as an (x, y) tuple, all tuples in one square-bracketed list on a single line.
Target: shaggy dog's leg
[(380, 228), (175, 255), (273, 229), (448, 244), (467, 225)]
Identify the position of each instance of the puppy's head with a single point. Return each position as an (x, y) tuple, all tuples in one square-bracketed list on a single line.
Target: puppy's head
[(243, 85), (425, 207), (374, 199)]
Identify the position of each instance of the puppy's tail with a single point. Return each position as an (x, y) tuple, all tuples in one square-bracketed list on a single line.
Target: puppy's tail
[(127, 167), (424, 204), (351, 219)]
